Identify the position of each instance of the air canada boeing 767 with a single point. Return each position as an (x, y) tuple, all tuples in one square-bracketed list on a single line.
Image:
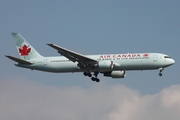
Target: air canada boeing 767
[(110, 65)]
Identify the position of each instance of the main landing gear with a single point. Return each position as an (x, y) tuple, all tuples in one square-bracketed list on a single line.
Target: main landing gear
[(160, 71), (92, 78)]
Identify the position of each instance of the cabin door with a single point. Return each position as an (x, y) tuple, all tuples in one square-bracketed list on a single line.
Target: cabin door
[(155, 58), (45, 62)]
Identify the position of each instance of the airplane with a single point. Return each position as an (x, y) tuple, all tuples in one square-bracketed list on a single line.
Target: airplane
[(110, 65)]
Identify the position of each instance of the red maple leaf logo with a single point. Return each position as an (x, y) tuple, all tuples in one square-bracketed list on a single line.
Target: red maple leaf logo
[(146, 55), (24, 51)]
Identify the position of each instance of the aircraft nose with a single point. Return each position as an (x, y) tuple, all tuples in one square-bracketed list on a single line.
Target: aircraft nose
[(171, 61)]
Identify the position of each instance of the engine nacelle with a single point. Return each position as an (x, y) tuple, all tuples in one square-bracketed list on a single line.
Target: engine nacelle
[(115, 74), (105, 65)]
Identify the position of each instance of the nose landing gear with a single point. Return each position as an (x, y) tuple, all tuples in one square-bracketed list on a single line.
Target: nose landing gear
[(160, 71), (160, 74)]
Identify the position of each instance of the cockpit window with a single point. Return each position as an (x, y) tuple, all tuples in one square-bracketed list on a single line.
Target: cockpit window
[(167, 57)]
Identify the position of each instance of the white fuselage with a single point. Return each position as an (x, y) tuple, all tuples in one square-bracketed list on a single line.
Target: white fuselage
[(130, 61)]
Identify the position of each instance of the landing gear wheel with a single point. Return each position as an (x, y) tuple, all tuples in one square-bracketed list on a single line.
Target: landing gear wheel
[(160, 74), (160, 71), (89, 75), (95, 79), (85, 73)]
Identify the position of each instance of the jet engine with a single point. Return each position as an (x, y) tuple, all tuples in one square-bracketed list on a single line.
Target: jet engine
[(115, 74), (105, 65)]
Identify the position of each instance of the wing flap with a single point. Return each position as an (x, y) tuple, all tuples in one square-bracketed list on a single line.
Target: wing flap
[(18, 60), (73, 56)]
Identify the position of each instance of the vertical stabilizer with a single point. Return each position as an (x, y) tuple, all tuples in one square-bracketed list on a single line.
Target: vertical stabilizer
[(25, 50)]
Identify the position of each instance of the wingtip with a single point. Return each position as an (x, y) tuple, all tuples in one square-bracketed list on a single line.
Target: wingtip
[(49, 44), (6, 55)]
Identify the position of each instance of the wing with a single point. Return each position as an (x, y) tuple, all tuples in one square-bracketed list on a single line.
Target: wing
[(82, 60)]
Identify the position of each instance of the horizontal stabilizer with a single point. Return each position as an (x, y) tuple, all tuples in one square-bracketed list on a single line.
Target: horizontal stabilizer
[(18, 60)]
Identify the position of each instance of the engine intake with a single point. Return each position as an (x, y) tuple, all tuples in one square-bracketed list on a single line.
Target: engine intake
[(115, 74)]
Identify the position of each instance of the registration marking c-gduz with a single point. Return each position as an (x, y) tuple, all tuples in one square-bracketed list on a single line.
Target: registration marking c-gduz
[(110, 65)]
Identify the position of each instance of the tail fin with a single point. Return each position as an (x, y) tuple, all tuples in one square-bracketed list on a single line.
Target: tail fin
[(25, 50)]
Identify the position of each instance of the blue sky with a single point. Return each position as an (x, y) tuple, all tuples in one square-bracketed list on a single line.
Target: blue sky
[(92, 27)]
